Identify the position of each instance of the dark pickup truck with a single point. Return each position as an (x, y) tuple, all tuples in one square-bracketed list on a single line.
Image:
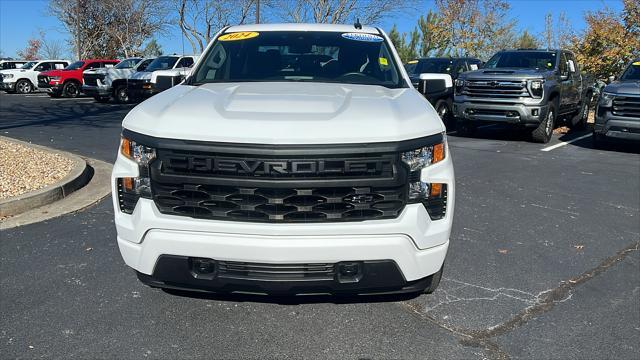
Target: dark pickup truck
[(618, 109), (441, 97), (530, 88)]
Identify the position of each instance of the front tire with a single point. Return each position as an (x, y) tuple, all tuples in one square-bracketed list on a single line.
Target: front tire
[(121, 95), (71, 89), (542, 134), (24, 87), (444, 111), (579, 121)]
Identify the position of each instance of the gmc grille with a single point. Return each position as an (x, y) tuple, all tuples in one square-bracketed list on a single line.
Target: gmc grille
[(496, 88), (276, 189), (92, 79), (628, 106)]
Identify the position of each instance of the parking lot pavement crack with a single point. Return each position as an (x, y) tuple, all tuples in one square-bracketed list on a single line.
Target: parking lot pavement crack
[(538, 304)]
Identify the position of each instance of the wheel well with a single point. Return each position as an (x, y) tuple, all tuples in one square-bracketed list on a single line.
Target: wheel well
[(25, 80), (553, 97), (72, 80)]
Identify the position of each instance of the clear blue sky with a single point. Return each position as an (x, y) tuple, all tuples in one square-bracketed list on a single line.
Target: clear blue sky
[(22, 19)]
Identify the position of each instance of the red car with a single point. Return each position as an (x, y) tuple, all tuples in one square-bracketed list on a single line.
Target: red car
[(68, 81)]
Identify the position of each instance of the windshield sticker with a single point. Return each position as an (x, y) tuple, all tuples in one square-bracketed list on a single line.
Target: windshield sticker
[(637, 63), (413, 62), (383, 61), (362, 37), (239, 36)]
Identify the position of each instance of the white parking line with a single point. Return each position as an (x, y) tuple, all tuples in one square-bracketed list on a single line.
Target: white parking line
[(76, 99), (37, 96), (563, 143)]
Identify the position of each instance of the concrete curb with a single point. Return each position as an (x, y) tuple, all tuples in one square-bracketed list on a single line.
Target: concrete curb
[(79, 176)]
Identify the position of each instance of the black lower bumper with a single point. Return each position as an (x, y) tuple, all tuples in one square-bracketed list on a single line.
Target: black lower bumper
[(8, 86), (139, 93), (357, 277)]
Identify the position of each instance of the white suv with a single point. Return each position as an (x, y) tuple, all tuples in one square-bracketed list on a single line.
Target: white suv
[(295, 159), (142, 84), (104, 83), (25, 79)]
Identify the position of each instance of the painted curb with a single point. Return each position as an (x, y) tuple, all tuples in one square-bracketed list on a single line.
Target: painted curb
[(79, 176)]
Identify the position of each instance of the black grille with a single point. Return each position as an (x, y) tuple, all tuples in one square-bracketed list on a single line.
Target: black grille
[(43, 80), (277, 189), (135, 83), (92, 79), (166, 82), (628, 106), (279, 204), (496, 88), (275, 272)]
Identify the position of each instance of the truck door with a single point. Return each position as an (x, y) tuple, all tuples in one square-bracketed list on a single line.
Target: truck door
[(566, 83), (576, 85)]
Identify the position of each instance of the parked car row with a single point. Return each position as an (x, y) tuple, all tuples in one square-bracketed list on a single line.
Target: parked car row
[(531, 88), (103, 79)]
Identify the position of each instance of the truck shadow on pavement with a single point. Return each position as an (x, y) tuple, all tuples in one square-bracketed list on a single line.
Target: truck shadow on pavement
[(293, 300)]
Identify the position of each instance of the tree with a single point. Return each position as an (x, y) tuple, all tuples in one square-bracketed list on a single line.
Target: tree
[(610, 40), (31, 51), (526, 41), (50, 49), (153, 49), (199, 20), (406, 51), (337, 11), (110, 28), (434, 38), (557, 35)]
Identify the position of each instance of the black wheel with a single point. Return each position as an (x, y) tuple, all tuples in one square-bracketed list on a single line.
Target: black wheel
[(434, 281), (579, 120), (543, 132), (121, 95), (101, 99), (71, 89), (24, 86), (465, 128), (443, 110)]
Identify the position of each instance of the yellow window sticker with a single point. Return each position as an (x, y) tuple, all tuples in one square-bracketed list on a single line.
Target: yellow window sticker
[(238, 36), (637, 63), (383, 61), (413, 62)]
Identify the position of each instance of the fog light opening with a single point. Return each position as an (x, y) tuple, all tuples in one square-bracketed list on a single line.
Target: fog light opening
[(203, 268), (349, 272)]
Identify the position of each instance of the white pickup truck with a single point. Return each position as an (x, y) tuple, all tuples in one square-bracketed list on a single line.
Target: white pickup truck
[(25, 79), (294, 159), (142, 84), (106, 83)]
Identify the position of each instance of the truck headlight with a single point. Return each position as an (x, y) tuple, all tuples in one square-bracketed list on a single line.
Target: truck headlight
[(459, 85), (606, 99), (432, 195), (130, 189), (536, 87), (7, 76)]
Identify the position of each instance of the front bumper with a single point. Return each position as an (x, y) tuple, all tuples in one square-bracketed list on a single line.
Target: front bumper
[(139, 90), (91, 90), (8, 86), (50, 88), (521, 114), (614, 126), (415, 244)]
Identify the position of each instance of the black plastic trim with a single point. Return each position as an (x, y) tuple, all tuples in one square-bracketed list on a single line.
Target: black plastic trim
[(378, 277), (280, 149)]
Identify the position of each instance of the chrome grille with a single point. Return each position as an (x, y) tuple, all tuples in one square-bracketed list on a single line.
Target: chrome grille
[(628, 106), (495, 88)]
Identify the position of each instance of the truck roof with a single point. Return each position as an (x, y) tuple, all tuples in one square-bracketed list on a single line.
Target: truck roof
[(302, 27)]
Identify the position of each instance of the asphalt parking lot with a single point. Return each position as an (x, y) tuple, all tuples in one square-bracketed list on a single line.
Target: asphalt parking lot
[(543, 263)]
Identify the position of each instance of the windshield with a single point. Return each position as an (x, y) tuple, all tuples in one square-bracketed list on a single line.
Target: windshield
[(75, 66), (435, 66), (632, 72), (142, 65), (523, 60), (162, 63), (127, 63), (29, 65), (313, 56)]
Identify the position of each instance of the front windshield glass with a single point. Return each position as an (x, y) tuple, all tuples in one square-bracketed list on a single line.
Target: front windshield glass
[(29, 65), (127, 63), (312, 56), (632, 72), (75, 66), (523, 60), (162, 63), (435, 66)]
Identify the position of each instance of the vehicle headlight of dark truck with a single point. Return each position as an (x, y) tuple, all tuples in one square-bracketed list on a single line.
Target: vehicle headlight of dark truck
[(618, 109), (531, 88)]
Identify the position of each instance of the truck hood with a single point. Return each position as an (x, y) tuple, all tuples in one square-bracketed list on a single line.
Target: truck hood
[(624, 87), (285, 113), (170, 72), (141, 75), (13, 71), (516, 74)]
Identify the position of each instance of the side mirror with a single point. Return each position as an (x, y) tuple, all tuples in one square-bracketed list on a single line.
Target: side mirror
[(572, 67), (434, 83), (611, 79)]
